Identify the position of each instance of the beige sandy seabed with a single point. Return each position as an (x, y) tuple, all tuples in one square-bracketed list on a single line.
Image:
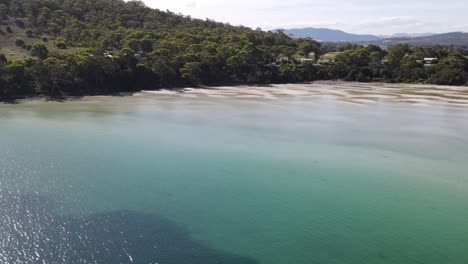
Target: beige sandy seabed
[(359, 93)]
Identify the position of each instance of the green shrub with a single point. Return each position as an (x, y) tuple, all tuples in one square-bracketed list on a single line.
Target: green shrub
[(60, 43), (19, 42), (29, 33), (40, 50)]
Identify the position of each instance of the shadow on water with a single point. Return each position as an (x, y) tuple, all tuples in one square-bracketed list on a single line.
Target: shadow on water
[(31, 233)]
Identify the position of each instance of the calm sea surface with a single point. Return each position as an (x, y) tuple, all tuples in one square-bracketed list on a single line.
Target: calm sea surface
[(180, 180)]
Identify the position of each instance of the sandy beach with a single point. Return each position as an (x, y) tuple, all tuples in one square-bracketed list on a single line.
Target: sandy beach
[(359, 93), (345, 92)]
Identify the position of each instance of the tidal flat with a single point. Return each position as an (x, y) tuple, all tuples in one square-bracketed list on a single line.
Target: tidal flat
[(342, 91)]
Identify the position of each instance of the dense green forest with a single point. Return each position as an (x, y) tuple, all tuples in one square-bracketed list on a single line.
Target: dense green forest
[(75, 47)]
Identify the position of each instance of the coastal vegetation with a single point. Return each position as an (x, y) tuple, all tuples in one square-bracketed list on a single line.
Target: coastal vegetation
[(75, 47)]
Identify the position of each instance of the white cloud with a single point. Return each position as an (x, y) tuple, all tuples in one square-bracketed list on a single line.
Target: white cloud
[(463, 28), (357, 16), (192, 4)]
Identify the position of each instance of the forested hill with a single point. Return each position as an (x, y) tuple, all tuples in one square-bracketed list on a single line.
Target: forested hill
[(102, 46), (108, 23), (76, 47)]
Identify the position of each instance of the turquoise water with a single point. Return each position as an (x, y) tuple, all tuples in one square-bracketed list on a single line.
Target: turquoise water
[(203, 180)]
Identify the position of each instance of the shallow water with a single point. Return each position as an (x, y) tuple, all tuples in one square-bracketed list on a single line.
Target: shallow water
[(180, 179)]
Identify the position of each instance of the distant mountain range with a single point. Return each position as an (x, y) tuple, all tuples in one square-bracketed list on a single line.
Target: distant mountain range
[(328, 35), (418, 39), (407, 35), (446, 39)]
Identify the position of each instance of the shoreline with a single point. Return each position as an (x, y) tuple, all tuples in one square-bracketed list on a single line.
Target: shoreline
[(353, 92)]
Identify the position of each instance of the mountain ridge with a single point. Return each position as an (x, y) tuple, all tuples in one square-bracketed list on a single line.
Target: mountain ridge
[(328, 35), (417, 39), (444, 39)]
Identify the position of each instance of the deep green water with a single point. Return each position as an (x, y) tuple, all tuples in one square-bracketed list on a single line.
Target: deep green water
[(148, 180)]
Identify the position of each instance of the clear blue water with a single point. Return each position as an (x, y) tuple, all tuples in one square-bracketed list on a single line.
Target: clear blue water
[(198, 180)]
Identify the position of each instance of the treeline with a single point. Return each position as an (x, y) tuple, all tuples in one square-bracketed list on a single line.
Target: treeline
[(400, 63), (126, 46)]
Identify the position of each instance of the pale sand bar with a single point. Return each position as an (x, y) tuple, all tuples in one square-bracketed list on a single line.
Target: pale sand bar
[(361, 93)]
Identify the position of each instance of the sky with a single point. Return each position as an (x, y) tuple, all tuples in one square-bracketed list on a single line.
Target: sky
[(356, 16)]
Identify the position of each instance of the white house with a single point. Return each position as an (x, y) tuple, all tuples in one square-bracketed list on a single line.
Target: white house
[(429, 61)]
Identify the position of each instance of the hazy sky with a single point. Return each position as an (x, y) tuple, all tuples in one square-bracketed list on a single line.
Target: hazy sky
[(356, 16)]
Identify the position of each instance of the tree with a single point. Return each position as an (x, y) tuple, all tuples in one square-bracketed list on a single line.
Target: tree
[(133, 44), (376, 53), (20, 42), (396, 53), (308, 46), (447, 76), (3, 60), (53, 76), (452, 70), (284, 51), (44, 16), (354, 58), (60, 43), (29, 33), (39, 50), (128, 59), (191, 73), (15, 80), (289, 72), (163, 67), (409, 69)]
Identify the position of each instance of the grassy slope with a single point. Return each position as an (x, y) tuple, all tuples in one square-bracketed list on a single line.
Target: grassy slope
[(8, 47)]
